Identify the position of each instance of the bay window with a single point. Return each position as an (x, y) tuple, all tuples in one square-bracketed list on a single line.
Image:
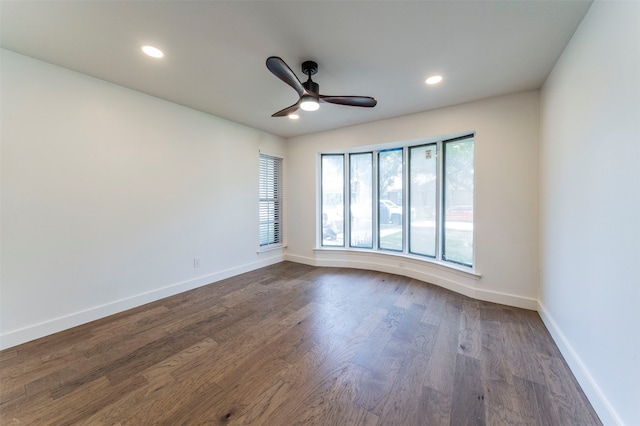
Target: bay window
[(415, 199)]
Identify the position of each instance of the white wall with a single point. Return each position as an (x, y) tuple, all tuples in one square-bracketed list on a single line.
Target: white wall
[(109, 194), (590, 208), (506, 210)]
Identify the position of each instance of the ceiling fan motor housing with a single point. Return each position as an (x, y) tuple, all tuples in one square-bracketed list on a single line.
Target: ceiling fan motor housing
[(311, 86), (310, 68)]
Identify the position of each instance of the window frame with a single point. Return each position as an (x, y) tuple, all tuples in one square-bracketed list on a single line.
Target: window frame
[(437, 215), (270, 181), (345, 227), (404, 198), (373, 196), (443, 213)]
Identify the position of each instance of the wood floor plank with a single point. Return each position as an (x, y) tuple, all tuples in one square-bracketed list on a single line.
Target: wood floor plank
[(296, 344), (424, 338), (469, 336), (264, 405), (371, 322), (306, 403), (501, 416), (339, 407), (74, 371), (232, 401), (227, 355), (467, 408), (402, 405), (131, 364), (18, 374), (331, 404), (565, 392), (434, 305), (316, 371), (138, 400), (408, 324), (497, 377), (416, 292), (167, 366), (520, 353), (434, 407), (378, 374), (441, 366), (129, 324), (524, 401), (174, 406), (83, 401), (233, 353)]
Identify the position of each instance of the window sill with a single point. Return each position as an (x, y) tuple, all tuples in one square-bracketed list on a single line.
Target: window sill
[(445, 266), (271, 248)]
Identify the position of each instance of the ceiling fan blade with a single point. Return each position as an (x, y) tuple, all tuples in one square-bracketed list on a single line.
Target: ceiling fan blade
[(281, 70), (361, 101), (288, 110)]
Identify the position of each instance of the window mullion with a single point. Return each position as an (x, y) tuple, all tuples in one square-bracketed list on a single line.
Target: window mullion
[(439, 192), (376, 201), (346, 201), (405, 200)]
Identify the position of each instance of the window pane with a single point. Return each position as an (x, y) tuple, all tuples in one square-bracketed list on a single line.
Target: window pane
[(333, 200), (390, 199), (360, 200), (270, 214), (422, 200), (458, 201)]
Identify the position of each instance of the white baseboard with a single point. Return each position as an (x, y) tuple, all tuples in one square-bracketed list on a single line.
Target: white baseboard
[(598, 400), (36, 331), (451, 280)]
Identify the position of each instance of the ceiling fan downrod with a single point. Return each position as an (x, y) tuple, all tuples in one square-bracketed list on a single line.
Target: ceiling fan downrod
[(310, 68)]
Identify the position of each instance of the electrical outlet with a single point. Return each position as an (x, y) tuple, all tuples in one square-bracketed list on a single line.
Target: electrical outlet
[(196, 262)]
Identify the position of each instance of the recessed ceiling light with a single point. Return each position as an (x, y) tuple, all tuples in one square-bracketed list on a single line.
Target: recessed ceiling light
[(154, 52), (293, 116), (434, 79)]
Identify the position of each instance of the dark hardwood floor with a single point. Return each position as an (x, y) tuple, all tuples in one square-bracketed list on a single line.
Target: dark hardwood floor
[(294, 344)]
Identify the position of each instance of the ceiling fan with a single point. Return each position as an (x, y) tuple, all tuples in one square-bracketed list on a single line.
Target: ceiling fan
[(309, 91)]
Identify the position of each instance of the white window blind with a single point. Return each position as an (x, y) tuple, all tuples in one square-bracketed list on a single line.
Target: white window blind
[(270, 200)]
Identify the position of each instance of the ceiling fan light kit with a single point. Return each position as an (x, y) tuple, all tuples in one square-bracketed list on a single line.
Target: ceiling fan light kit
[(309, 103), (309, 91)]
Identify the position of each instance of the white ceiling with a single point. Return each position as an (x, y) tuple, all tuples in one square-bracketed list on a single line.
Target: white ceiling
[(216, 51)]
